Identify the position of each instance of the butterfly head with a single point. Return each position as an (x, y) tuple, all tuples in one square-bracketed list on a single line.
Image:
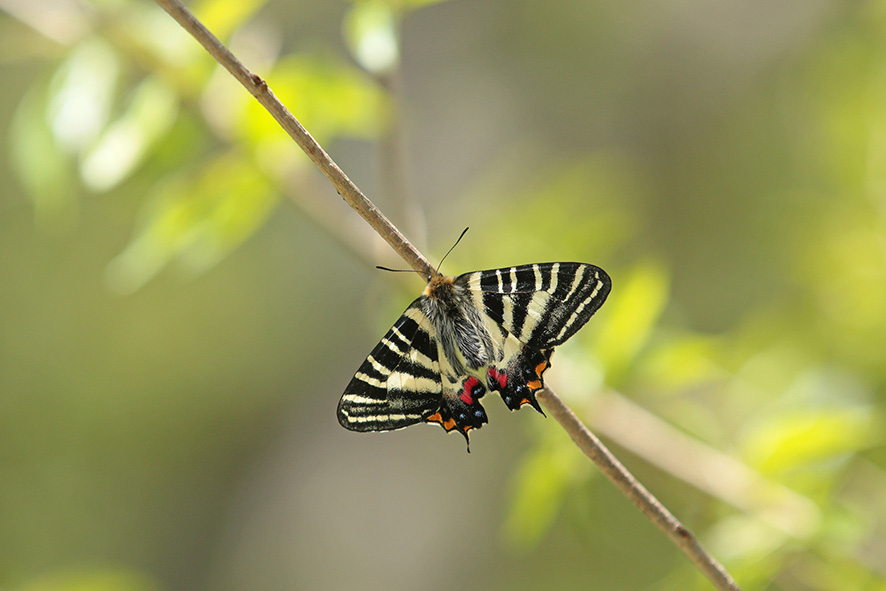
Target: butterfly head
[(438, 287)]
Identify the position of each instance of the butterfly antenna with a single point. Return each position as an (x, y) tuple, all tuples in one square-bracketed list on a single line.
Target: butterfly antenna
[(463, 232)]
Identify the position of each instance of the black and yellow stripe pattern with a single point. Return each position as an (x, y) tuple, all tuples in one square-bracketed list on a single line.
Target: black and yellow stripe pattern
[(486, 330)]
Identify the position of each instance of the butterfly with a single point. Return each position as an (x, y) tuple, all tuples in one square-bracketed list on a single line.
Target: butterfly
[(483, 331)]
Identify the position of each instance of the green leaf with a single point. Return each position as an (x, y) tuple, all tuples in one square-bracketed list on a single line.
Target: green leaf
[(330, 99), (401, 5), (82, 95), (55, 123), (540, 485), (800, 437), (124, 144), (196, 220), (223, 17), (682, 361), (89, 580), (631, 316), (822, 419), (45, 171), (371, 30)]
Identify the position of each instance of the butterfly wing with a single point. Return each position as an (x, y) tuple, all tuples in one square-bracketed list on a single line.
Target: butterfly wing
[(508, 324), (399, 383), (528, 310), (460, 409), (542, 305)]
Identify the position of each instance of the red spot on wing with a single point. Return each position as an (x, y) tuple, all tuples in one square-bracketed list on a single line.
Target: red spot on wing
[(494, 374), (466, 392)]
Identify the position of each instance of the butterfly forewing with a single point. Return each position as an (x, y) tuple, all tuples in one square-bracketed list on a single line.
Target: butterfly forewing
[(542, 304), (399, 382), (486, 330)]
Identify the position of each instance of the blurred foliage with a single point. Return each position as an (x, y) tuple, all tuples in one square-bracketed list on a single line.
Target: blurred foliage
[(97, 580), (732, 185), (370, 29), (104, 121)]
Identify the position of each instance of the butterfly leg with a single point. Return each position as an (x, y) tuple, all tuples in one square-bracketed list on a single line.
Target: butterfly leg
[(521, 378)]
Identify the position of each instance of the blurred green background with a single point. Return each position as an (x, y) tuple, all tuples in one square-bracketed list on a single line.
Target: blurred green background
[(183, 298)]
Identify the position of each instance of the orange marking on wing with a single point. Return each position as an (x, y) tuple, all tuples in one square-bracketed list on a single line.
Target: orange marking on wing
[(449, 425), (435, 418), (534, 385), (541, 367)]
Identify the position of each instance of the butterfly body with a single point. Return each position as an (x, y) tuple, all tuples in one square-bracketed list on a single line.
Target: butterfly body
[(486, 330), (457, 324)]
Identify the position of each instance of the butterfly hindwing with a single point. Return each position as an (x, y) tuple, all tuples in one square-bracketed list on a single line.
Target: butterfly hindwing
[(486, 330), (399, 383), (518, 376), (460, 408)]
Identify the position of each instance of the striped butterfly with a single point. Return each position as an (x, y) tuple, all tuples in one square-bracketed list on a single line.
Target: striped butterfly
[(486, 330)]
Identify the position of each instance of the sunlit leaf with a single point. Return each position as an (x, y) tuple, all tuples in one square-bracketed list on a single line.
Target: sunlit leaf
[(540, 484), (91, 580), (328, 97), (631, 316), (851, 302), (402, 4), (82, 94), (151, 28), (127, 140), (223, 17), (54, 125), (818, 422), (414, 4), (370, 28), (45, 171), (197, 220), (682, 361), (786, 441)]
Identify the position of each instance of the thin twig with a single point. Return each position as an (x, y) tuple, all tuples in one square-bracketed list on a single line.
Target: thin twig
[(634, 428), (260, 90), (584, 439), (636, 492)]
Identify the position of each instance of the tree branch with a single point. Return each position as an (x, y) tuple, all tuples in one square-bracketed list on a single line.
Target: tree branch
[(584, 439), (260, 90), (660, 444), (625, 482)]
